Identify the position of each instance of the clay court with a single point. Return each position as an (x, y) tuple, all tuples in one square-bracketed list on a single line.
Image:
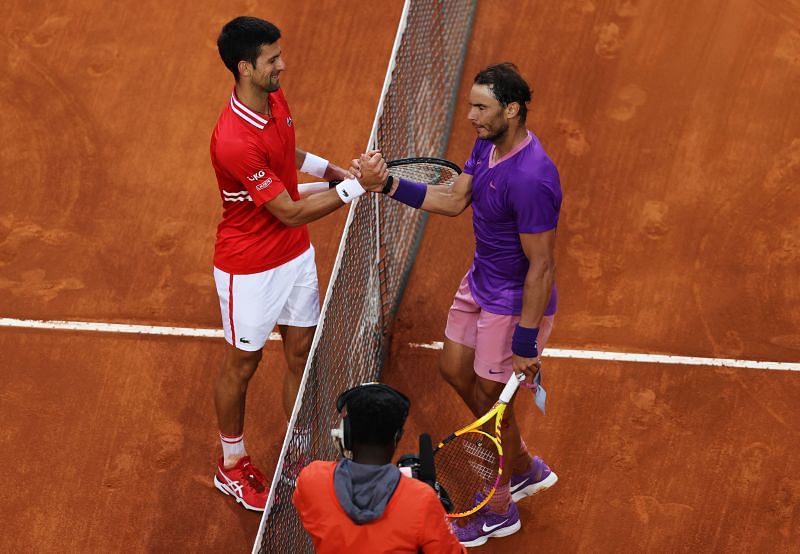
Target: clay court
[(676, 130)]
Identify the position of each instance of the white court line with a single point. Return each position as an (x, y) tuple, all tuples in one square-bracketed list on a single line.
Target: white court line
[(645, 358), (116, 328), (549, 352)]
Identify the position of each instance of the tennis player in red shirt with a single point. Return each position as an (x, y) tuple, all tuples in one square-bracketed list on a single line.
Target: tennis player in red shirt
[(362, 504), (263, 259)]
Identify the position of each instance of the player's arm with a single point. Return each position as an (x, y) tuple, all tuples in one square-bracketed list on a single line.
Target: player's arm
[(319, 167), (373, 173), (539, 248), (450, 201)]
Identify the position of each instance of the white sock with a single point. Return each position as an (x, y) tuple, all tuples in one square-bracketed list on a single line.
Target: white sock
[(232, 449)]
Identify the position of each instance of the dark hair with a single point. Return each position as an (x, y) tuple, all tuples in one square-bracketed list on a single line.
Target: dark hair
[(242, 38), (376, 415), (507, 85)]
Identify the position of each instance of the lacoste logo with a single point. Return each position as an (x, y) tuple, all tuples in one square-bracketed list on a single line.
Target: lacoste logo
[(344, 192), (246, 341), (289, 121), (488, 528)]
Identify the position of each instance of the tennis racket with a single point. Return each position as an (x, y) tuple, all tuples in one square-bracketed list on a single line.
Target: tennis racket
[(431, 171), (469, 463)]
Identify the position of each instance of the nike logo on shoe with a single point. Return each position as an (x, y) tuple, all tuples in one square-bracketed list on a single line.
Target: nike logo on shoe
[(490, 528), (515, 488)]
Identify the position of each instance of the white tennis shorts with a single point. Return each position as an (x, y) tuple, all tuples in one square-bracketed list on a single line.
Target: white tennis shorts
[(251, 305)]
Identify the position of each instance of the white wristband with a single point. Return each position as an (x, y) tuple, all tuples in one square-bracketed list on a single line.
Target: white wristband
[(349, 189), (314, 165)]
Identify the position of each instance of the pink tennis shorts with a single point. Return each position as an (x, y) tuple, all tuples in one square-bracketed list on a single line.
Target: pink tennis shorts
[(487, 333)]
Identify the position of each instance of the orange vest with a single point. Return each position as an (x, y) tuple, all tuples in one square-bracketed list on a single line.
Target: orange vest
[(414, 519)]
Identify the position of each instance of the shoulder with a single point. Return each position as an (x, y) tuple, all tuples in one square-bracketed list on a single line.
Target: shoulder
[(535, 165), (234, 140), (315, 472), (416, 490)]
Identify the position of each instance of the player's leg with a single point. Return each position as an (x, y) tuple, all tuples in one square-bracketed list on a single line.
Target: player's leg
[(499, 517), (296, 345), (297, 324), (238, 367), (247, 305), (493, 362), (456, 365)]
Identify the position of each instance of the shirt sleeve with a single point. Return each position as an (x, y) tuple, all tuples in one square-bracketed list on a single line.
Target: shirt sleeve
[(469, 167), (535, 203), (250, 167), (437, 538)]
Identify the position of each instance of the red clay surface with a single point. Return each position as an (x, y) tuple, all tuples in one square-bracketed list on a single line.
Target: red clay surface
[(677, 134)]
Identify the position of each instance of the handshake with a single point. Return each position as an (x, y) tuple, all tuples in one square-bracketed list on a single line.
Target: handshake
[(370, 170), (368, 173)]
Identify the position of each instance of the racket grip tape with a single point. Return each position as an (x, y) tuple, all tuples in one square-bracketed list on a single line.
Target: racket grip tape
[(511, 388)]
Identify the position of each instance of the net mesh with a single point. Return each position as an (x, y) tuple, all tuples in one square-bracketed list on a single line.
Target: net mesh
[(375, 255)]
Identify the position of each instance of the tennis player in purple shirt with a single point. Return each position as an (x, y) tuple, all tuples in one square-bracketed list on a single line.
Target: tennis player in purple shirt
[(502, 314)]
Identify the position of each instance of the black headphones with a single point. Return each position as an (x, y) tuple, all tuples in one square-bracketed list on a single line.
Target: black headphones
[(342, 435)]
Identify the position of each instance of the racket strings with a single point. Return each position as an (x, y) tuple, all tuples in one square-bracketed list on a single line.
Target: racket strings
[(428, 173), (467, 468)]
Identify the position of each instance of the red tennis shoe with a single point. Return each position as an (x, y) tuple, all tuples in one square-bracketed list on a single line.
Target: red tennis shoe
[(244, 482)]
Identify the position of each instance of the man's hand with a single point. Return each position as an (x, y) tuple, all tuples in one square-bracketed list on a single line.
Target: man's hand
[(372, 169), (528, 366)]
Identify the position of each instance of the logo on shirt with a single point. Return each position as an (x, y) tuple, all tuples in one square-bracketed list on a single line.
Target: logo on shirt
[(245, 341), (491, 185), (289, 121), (256, 176), (265, 184)]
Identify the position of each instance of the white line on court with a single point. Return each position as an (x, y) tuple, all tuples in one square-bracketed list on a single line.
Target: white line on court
[(646, 358), (549, 352), (115, 328)]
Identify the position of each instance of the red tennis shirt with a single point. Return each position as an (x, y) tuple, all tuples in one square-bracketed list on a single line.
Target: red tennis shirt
[(254, 158)]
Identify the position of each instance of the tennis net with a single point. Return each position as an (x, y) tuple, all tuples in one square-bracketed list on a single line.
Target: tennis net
[(377, 250)]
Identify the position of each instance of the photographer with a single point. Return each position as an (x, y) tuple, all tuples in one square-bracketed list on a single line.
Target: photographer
[(362, 503)]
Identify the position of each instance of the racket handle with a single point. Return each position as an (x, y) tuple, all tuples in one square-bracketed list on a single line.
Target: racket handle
[(511, 387)]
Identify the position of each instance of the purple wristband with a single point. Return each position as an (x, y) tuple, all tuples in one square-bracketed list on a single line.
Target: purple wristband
[(523, 343), (410, 193)]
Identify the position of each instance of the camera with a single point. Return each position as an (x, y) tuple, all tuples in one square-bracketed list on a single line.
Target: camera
[(411, 462)]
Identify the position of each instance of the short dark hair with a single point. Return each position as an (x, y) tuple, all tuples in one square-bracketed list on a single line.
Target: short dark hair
[(507, 85), (376, 415), (242, 38)]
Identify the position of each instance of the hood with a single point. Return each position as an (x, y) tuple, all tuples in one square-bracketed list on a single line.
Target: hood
[(364, 490)]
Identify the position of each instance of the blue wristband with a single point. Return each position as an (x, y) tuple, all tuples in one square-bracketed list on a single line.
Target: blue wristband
[(523, 343), (410, 193)]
